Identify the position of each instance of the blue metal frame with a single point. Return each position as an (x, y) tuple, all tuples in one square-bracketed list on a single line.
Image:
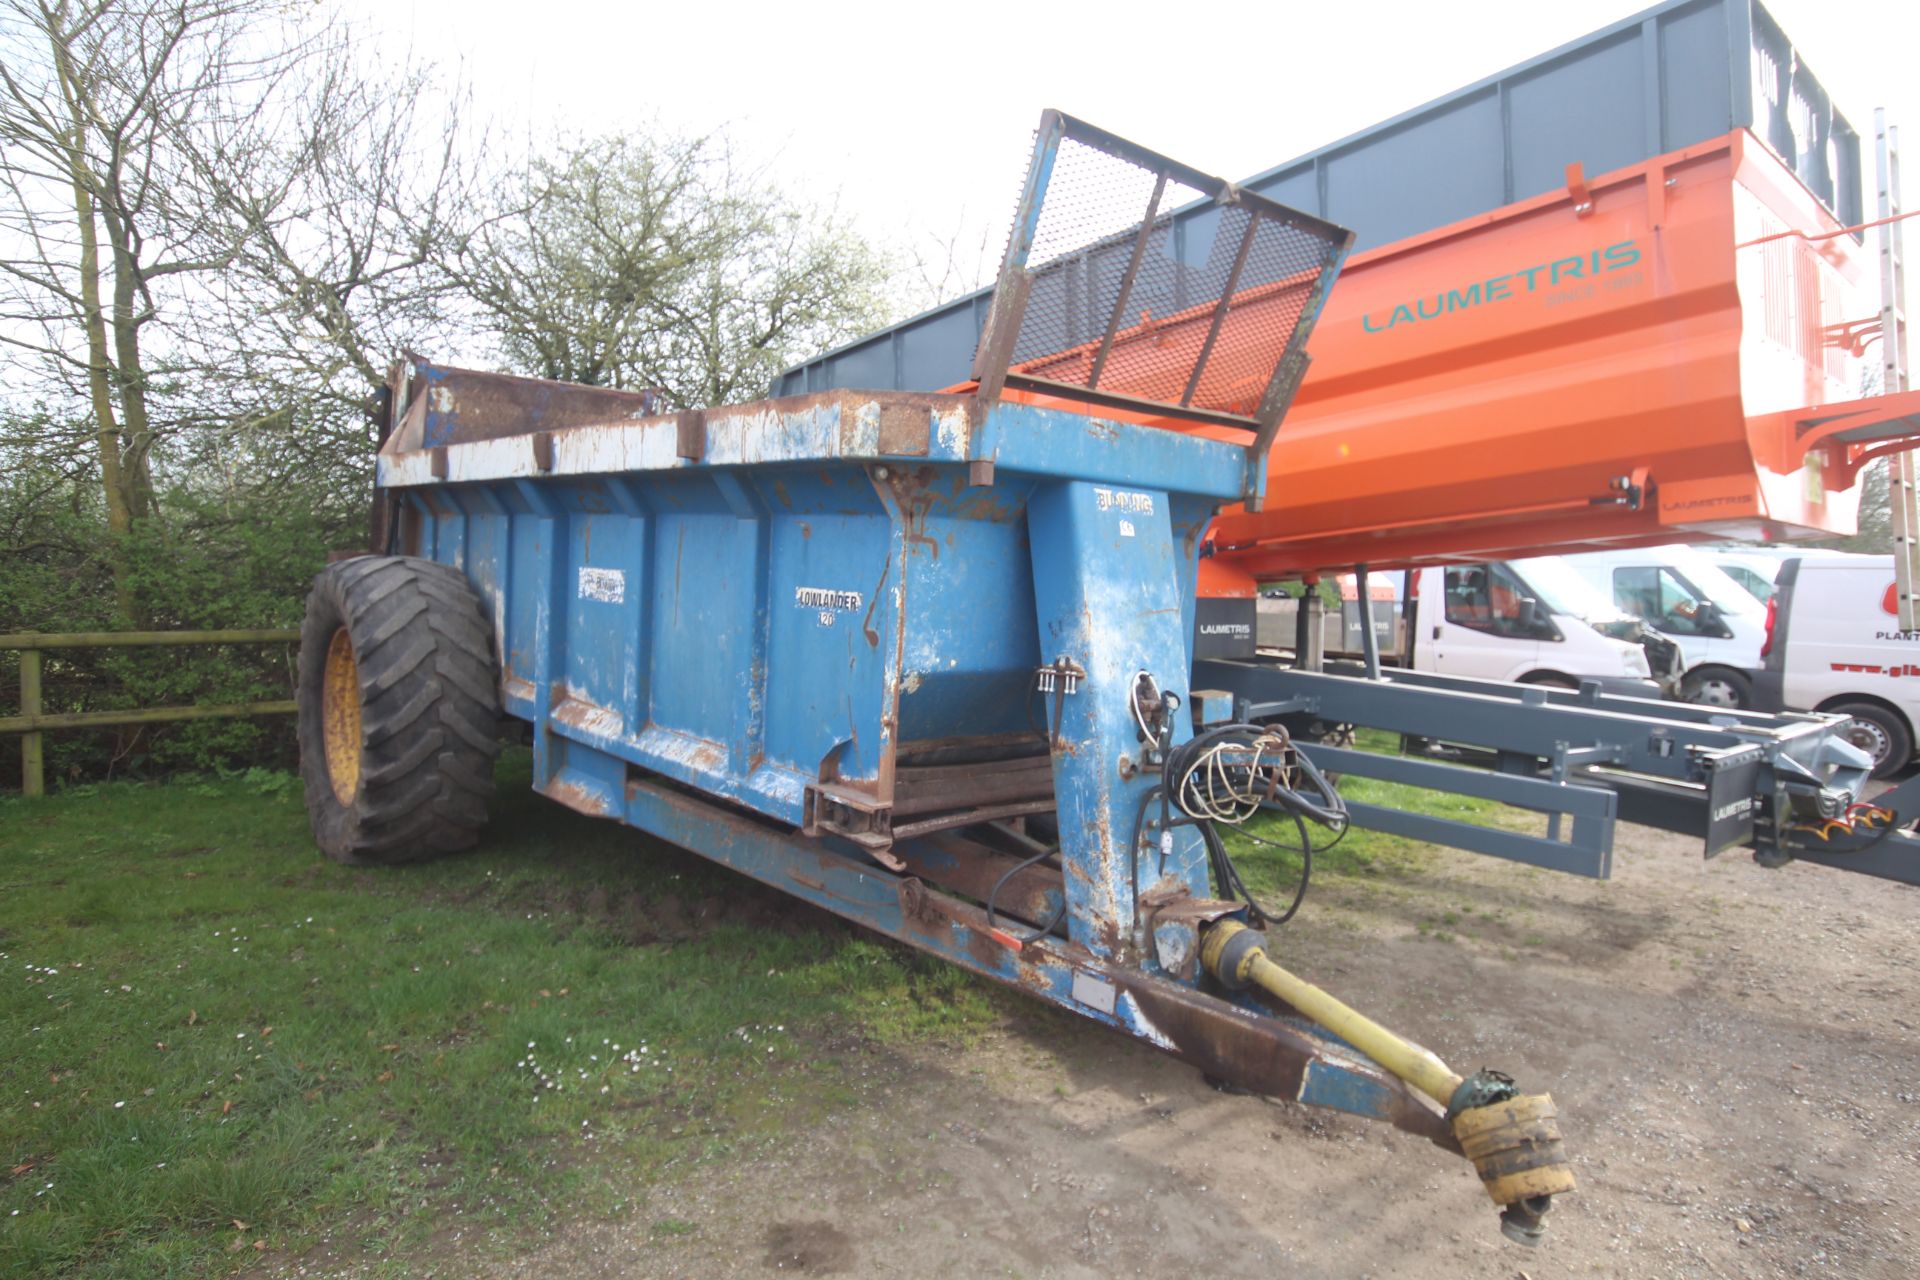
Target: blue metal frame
[(792, 609), (719, 632), (1243, 1042), (786, 618)]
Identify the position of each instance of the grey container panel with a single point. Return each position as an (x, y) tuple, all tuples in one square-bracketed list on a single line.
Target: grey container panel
[(1438, 168), (925, 362), (1680, 73), (1298, 188), (1598, 96), (1694, 45)]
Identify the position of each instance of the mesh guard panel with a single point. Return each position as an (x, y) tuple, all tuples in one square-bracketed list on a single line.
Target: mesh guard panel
[(1102, 297)]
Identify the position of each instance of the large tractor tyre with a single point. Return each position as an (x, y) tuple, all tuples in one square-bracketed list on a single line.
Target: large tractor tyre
[(399, 711)]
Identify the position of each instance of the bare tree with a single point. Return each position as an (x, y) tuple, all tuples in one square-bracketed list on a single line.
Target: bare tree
[(783, 282), (640, 261), (950, 266), (89, 98), (345, 209), (567, 273), (218, 221)]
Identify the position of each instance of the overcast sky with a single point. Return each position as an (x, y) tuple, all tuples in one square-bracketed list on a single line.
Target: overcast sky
[(915, 116)]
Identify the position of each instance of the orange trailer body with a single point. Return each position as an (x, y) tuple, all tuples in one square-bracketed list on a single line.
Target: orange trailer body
[(1678, 350)]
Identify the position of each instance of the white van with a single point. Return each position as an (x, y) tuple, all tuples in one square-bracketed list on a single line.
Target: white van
[(1755, 568), (1834, 644), (1677, 591), (1525, 621), (1529, 621), (1754, 573)]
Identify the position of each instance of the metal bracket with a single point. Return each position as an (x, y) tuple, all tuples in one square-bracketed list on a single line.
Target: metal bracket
[(854, 815), (1062, 676), (690, 435), (1578, 191), (1731, 778)]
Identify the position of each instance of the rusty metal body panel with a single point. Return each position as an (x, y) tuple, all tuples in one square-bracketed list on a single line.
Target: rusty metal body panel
[(1247, 1042), (792, 637), (816, 616), (836, 641)]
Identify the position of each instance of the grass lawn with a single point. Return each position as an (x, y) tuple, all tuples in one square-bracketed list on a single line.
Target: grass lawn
[(221, 1049), (218, 1043)]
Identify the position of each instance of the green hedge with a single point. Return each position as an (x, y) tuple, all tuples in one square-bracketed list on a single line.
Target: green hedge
[(235, 560)]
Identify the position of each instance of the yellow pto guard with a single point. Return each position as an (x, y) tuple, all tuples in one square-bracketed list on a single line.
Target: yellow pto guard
[(1512, 1139)]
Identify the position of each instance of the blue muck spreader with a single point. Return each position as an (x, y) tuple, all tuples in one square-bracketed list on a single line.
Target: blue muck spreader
[(922, 660)]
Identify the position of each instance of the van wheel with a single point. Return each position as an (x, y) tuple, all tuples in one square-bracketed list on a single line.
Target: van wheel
[(1718, 687), (398, 710), (1879, 732)]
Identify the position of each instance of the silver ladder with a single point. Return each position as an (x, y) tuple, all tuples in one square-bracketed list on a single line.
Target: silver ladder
[(1902, 493)]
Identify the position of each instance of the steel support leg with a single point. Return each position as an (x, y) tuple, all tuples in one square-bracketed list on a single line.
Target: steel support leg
[(1369, 641)]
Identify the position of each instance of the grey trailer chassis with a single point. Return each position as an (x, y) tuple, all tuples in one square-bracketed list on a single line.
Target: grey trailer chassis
[(1786, 786)]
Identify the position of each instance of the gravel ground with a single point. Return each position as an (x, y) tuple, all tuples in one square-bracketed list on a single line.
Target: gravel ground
[(1735, 1053)]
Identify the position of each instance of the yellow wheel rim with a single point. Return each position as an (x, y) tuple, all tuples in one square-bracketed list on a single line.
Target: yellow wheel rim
[(340, 717)]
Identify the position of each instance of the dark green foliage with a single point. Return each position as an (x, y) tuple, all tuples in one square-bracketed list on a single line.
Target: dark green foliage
[(231, 218), (235, 560)]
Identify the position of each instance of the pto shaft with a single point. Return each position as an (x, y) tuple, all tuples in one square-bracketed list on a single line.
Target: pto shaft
[(1512, 1139), (1418, 1066)]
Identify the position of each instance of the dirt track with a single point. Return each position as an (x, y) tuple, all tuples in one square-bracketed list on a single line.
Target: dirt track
[(1736, 1055)]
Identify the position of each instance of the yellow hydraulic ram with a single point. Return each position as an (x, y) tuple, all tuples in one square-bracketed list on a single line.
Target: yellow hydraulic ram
[(1512, 1139)]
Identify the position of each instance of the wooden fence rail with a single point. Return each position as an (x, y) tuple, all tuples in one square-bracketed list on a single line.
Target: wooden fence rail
[(32, 722)]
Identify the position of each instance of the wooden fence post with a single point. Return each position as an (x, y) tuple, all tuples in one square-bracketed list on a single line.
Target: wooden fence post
[(33, 778)]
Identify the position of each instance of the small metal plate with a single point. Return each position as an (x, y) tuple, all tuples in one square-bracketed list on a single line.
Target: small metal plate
[(1093, 992)]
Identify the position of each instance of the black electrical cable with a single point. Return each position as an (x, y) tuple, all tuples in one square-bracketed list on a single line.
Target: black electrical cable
[(1306, 872), (1052, 922), (1338, 837), (1335, 808), (1033, 724), (1051, 734), (1329, 810), (1225, 873), (1324, 807)]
